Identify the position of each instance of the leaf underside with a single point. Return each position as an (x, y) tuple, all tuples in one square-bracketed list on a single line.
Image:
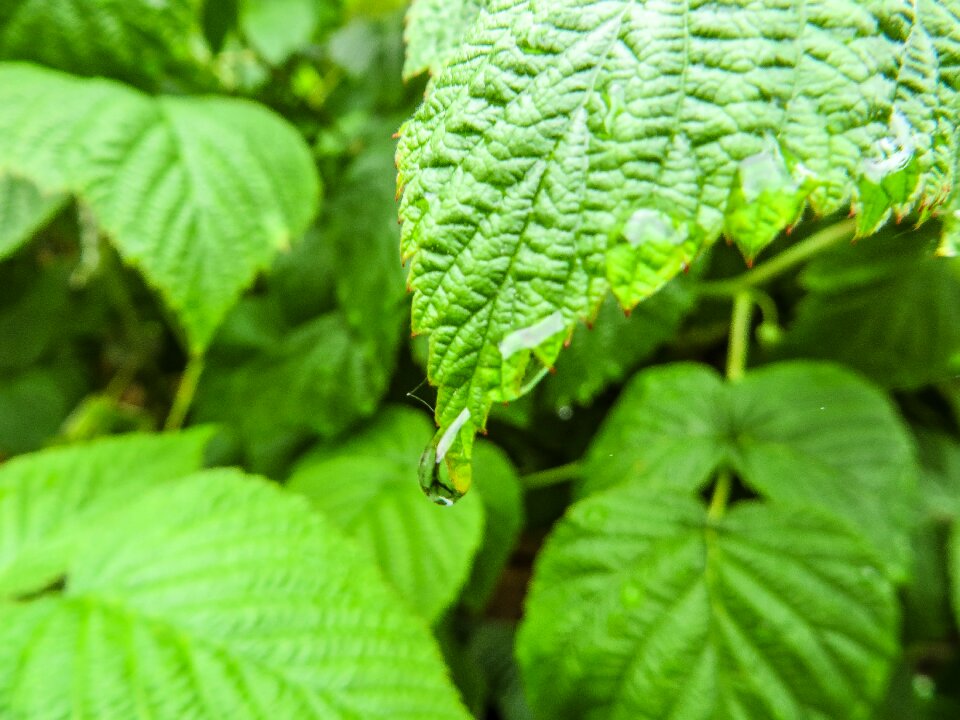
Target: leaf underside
[(558, 123)]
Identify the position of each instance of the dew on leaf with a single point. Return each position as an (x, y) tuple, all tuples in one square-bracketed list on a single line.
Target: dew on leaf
[(765, 171), (532, 336)]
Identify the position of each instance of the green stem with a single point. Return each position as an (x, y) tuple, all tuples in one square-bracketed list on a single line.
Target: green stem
[(721, 495), (739, 335), (552, 476), (185, 392), (843, 231)]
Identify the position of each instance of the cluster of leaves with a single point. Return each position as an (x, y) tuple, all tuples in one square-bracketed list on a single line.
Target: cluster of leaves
[(198, 226)]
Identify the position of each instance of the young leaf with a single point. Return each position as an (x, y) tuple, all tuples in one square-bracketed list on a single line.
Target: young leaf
[(435, 29), (164, 178), (215, 596), (23, 210), (140, 41), (641, 607), (367, 486), (804, 433), (574, 146), (50, 499)]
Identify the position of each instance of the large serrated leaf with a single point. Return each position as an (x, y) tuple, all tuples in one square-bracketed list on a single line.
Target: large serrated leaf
[(801, 432), (367, 486), (164, 178), (573, 146), (216, 596), (140, 41), (643, 608)]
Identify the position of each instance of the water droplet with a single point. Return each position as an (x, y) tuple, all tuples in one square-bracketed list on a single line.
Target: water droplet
[(596, 515), (632, 595), (445, 476), (652, 226), (565, 412), (532, 336), (892, 153)]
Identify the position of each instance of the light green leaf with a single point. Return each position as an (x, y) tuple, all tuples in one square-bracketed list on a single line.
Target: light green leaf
[(140, 41), (435, 29), (23, 211), (278, 28), (217, 596), (367, 485), (805, 433), (49, 499), (164, 178), (602, 355), (886, 307), (572, 146), (641, 607)]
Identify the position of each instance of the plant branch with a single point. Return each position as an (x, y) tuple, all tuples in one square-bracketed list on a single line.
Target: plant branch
[(552, 476), (185, 392), (842, 231), (739, 343)]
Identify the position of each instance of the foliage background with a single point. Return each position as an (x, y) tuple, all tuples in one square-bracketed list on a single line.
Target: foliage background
[(198, 206)]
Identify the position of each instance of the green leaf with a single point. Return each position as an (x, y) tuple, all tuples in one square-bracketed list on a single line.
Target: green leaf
[(338, 364), (278, 28), (573, 147), (35, 401), (51, 499), (217, 596), (367, 485), (23, 211), (641, 607), (435, 29), (501, 495), (603, 355), (140, 41), (804, 433), (886, 307), (164, 176)]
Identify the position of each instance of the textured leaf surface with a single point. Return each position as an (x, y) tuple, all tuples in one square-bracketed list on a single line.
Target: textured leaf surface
[(218, 596), (367, 485), (576, 146), (48, 499), (640, 608), (141, 41), (435, 29), (886, 307), (164, 176), (23, 210), (800, 432)]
